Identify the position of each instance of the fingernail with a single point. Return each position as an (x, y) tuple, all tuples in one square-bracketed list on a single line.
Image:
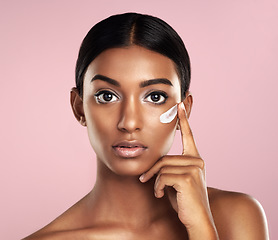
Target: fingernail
[(183, 107), (141, 178)]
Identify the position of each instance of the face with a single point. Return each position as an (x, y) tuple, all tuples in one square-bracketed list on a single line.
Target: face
[(125, 92)]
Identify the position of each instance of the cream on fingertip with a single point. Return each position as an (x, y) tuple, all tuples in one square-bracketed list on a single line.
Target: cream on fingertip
[(183, 107)]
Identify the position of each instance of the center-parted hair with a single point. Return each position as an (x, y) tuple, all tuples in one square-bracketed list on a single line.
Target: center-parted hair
[(123, 30)]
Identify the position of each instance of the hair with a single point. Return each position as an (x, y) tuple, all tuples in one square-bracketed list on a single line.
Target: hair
[(123, 30)]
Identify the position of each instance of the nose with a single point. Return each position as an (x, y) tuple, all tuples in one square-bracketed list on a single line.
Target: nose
[(130, 117)]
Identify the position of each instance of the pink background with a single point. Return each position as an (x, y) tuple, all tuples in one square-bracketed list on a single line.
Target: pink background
[(47, 163)]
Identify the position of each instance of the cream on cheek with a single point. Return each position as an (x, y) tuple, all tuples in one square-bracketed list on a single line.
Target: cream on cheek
[(161, 135), (169, 115)]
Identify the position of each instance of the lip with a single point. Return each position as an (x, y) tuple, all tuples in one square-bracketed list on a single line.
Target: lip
[(129, 149)]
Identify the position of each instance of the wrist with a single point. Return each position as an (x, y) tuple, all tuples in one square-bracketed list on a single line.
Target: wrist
[(206, 231)]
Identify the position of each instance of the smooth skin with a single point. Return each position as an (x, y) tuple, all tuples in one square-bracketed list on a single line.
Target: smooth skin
[(154, 195)]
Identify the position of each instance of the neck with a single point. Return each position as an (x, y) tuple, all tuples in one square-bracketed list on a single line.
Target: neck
[(125, 200)]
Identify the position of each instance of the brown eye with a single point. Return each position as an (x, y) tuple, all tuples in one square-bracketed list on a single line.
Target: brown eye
[(157, 97), (106, 97)]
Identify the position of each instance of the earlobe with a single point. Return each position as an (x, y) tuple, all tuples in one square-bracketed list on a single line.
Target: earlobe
[(77, 106), (82, 121)]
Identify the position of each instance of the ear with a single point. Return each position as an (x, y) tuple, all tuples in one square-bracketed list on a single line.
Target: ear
[(77, 106), (188, 103)]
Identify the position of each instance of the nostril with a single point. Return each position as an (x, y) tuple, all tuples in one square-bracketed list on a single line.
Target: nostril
[(129, 119)]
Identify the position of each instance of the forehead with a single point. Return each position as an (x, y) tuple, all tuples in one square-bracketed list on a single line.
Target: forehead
[(131, 65)]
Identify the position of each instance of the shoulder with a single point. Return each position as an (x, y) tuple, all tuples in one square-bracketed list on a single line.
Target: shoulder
[(92, 233), (69, 222), (237, 215)]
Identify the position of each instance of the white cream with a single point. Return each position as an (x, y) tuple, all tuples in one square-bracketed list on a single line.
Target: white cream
[(169, 115)]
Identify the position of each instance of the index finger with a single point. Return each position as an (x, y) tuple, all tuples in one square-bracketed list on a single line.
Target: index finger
[(188, 143)]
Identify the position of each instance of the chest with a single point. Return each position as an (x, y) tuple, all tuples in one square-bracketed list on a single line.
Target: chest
[(176, 232)]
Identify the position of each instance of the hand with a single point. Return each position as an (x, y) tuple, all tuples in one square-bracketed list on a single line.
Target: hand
[(182, 177)]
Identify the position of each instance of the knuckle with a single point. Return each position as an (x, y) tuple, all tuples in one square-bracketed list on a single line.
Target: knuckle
[(195, 170), (162, 177), (199, 162), (202, 164), (158, 163), (164, 169), (188, 179), (161, 162)]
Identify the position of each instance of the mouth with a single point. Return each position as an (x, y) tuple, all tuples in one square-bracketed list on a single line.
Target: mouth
[(129, 149)]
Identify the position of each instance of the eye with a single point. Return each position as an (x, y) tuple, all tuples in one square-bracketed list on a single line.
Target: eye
[(157, 97), (106, 97)]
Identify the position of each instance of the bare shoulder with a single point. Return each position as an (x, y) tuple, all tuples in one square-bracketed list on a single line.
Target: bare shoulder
[(237, 215), (63, 225), (53, 230)]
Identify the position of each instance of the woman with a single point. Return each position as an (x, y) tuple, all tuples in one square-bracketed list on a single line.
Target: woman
[(130, 71)]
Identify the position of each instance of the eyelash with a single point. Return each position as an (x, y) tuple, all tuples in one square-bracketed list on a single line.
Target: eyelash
[(160, 93), (98, 96)]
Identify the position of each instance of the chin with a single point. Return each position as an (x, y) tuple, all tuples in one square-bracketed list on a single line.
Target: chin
[(129, 167)]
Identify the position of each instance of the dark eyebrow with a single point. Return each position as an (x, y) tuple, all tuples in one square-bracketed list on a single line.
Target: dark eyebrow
[(155, 81), (106, 79), (141, 85)]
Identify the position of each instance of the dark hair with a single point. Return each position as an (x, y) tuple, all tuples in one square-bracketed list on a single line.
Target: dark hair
[(127, 29)]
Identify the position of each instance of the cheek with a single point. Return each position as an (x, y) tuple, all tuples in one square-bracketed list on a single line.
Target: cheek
[(99, 128), (161, 135)]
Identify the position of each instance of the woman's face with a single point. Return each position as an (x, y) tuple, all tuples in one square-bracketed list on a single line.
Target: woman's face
[(125, 92)]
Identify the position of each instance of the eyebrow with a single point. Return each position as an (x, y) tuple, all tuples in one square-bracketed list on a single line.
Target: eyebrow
[(106, 79), (155, 81), (141, 85)]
